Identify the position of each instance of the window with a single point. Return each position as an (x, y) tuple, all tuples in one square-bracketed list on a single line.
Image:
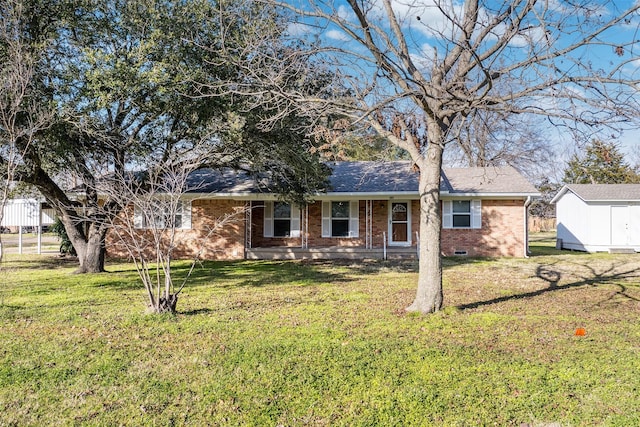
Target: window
[(281, 219), (160, 214), (461, 214), (340, 219)]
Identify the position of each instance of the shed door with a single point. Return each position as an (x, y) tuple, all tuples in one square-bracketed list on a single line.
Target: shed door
[(619, 225)]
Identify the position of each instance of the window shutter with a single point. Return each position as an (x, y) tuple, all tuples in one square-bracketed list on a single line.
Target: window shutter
[(268, 219), (476, 214), (447, 214), (186, 214), (137, 217), (326, 219), (295, 220), (354, 213)]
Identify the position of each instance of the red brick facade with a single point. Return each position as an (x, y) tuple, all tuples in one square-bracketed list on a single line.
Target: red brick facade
[(225, 242), (501, 234)]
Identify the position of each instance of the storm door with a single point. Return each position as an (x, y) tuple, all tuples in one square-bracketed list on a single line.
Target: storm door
[(399, 223)]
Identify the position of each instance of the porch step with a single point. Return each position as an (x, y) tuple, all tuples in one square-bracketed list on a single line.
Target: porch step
[(621, 251), (329, 253)]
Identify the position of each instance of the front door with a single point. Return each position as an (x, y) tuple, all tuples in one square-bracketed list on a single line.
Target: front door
[(399, 223)]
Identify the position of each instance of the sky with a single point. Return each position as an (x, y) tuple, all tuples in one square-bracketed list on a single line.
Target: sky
[(423, 24)]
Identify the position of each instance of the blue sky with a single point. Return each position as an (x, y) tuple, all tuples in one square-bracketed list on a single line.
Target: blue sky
[(424, 24)]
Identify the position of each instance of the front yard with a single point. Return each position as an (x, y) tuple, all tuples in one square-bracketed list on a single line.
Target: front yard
[(295, 343)]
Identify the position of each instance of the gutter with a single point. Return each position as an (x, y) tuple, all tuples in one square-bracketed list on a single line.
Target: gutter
[(527, 203)]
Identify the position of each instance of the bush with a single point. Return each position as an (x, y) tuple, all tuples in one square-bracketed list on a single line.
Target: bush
[(66, 247)]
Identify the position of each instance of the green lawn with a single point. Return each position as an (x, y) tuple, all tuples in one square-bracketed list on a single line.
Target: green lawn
[(295, 343)]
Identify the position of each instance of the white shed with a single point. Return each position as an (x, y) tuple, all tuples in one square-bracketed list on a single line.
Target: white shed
[(598, 217), (31, 213)]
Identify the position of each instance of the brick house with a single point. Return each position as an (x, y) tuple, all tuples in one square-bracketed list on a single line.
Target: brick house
[(370, 211)]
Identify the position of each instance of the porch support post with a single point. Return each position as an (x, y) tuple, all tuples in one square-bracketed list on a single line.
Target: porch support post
[(247, 227), (369, 224), (304, 227)]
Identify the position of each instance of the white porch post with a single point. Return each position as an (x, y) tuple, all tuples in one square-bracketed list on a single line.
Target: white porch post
[(369, 224), (304, 227), (248, 222)]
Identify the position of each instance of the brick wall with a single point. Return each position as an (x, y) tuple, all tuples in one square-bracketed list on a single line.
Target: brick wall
[(380, 220), (227, 242), (501, 233)]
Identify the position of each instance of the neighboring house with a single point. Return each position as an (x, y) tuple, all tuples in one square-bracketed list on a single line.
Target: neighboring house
[(371, 210), (598, 217)]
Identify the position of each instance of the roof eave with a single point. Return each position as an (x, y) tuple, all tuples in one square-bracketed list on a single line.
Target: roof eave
[(362, 195)]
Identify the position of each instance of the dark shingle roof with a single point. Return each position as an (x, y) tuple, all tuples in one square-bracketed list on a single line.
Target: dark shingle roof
[(377, 177), (373, 177), (227, 181), (503, 179), (603, 192), (391, 177)]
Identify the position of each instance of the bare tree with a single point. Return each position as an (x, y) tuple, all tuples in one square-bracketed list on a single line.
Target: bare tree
[(493, 138), (154, 205), (416, 70), (21, 115)]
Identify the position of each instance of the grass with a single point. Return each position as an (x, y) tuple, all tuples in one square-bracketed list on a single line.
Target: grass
[(297, 343)]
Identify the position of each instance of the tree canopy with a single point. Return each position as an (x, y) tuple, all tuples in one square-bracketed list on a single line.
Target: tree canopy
[(600, 163), (123, 82)]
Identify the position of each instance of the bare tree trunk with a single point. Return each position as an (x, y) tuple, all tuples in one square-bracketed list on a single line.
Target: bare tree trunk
[(429, 296), (91, 253)]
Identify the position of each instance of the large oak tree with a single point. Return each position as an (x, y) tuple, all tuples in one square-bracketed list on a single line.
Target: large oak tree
[(123, 79)]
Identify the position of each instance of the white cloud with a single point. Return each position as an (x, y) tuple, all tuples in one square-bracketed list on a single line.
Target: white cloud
[(298, 29), (337, 35)]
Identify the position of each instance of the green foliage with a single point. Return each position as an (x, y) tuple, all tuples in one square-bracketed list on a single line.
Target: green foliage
[(601, 163), (296, 343), (542, 207), (66, 247), (131, 84)]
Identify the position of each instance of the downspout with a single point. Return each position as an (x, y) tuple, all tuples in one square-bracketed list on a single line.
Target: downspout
[(527, 203)]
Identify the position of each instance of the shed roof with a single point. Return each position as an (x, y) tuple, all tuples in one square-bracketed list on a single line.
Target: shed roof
[(376, 178), (602, 192)]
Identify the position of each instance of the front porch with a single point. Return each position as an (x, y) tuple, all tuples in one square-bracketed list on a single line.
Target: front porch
[(333, 252)]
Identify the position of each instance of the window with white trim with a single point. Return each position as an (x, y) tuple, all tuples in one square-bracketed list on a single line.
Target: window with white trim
[(162, 214), (340, 218), (281, 219), (462, 213)]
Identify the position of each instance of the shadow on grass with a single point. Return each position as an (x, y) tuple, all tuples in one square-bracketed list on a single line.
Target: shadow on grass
[(195, 312), (553, 276), (237, 274), (39, 262)]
